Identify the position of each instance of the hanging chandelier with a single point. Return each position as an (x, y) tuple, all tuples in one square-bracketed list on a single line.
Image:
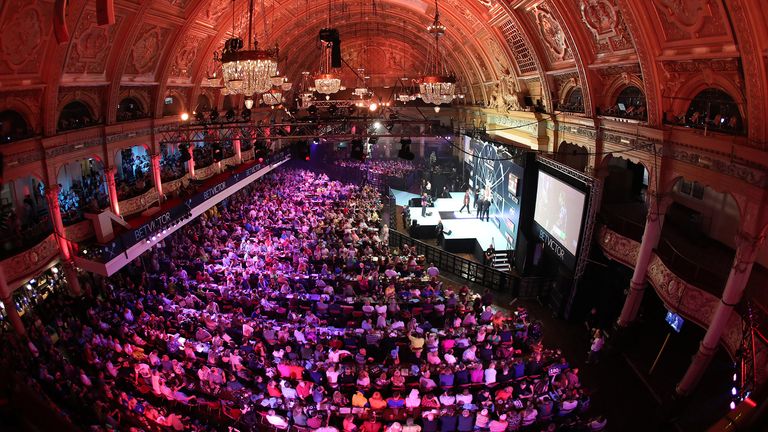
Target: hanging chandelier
[(246, 71), (437, 86), (327, 82), (272, 97)]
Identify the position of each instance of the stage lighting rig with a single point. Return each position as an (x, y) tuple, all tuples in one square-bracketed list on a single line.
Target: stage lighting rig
[(213, 115), (200, 116), (230, 115), (246, 114)]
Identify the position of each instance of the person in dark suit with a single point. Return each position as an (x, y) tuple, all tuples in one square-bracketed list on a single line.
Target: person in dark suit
[(424, 202)]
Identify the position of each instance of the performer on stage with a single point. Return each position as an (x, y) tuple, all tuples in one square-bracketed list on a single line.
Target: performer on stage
[(424, 202), (467, 196)]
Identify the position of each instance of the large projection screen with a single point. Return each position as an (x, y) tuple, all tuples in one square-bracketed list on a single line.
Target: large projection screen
[(559, 210)]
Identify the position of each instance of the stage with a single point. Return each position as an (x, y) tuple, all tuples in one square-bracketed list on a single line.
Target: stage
[(468, 234)]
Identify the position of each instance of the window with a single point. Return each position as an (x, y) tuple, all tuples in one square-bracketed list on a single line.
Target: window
[(714, 109), (13, 127), (172, 106), (130, 109), (574, 102), (75, 115)]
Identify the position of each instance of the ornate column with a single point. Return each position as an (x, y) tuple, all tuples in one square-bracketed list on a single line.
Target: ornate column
[(238, 152), (191, 161), (155, 160), (73, 281), (65, 249), (112, 188), (747, 247), (657, 208), (10, 307), (52, 196)]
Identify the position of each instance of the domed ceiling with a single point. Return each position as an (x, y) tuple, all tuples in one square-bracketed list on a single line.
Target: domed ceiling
[(100, 51)]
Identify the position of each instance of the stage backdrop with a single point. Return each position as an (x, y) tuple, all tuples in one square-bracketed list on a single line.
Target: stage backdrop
[(505, 180)]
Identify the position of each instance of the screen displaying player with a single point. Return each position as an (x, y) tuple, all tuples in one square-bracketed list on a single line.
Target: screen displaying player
[(559, 209)]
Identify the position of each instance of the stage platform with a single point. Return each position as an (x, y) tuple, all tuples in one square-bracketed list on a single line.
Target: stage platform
[(467, 233)]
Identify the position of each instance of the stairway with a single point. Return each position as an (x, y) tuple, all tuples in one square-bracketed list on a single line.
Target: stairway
[(501, 262)]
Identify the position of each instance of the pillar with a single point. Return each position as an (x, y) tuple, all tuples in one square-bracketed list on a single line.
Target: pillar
[(191, 161), (73, 281), (112, 188), (657, 207), (10, 307), (156, 177), (238, 151), (52, 196), (65, 249), (747, 247)]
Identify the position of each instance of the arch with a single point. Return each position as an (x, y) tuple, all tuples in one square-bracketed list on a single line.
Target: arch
[(75, 115), (617, 85), (129, 108), (573, 155), (572, 97), (143, 98), (203, 103), (13, 127), (715, 109), (683, 97), (173, 104)]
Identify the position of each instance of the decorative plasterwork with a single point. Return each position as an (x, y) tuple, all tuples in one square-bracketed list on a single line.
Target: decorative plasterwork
[(91, 96), (30, 261), (604, 20), (185, 56), (26, 103), (551, 33), (90, 45), (216, 9), (692, 302), (146, 50), (691, 19), (23, 36)]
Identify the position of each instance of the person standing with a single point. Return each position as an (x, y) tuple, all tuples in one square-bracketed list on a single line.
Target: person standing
[(466, 201), (597, 345), (424, 201)]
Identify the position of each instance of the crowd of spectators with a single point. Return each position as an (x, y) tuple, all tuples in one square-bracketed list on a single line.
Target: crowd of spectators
[(383, 167), (284, 307), (634, 112), (87, 194), (134, 178), (717, 122)]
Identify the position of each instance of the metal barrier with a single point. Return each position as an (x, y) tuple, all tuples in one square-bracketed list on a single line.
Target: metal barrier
[(464, 269)]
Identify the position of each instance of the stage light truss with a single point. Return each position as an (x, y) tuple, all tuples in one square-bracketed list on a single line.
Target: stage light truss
[(333, 129)]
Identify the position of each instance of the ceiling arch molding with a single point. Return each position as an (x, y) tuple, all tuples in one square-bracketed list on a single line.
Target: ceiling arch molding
[(118, 56), (647, 47), (535, 51), (53, 67), (166, 61), (745, 27), (583, 54)]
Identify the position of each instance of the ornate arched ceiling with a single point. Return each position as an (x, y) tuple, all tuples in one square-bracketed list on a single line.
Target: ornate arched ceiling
[(671, 48)]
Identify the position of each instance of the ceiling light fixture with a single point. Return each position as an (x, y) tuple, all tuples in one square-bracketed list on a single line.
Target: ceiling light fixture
[(437, 86), (247, 71)]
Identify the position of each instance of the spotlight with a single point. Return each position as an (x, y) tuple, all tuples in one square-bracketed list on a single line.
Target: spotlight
[(733, 405), (249, 103), (56, 270), (733, 391), (327, 97), (373, 106), (377, 125), (437, 109), (184, 116)]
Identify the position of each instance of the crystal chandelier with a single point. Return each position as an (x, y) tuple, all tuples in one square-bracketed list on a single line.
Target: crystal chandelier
[(247, 71), (436, 86), (326, 81), (272, 97)]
